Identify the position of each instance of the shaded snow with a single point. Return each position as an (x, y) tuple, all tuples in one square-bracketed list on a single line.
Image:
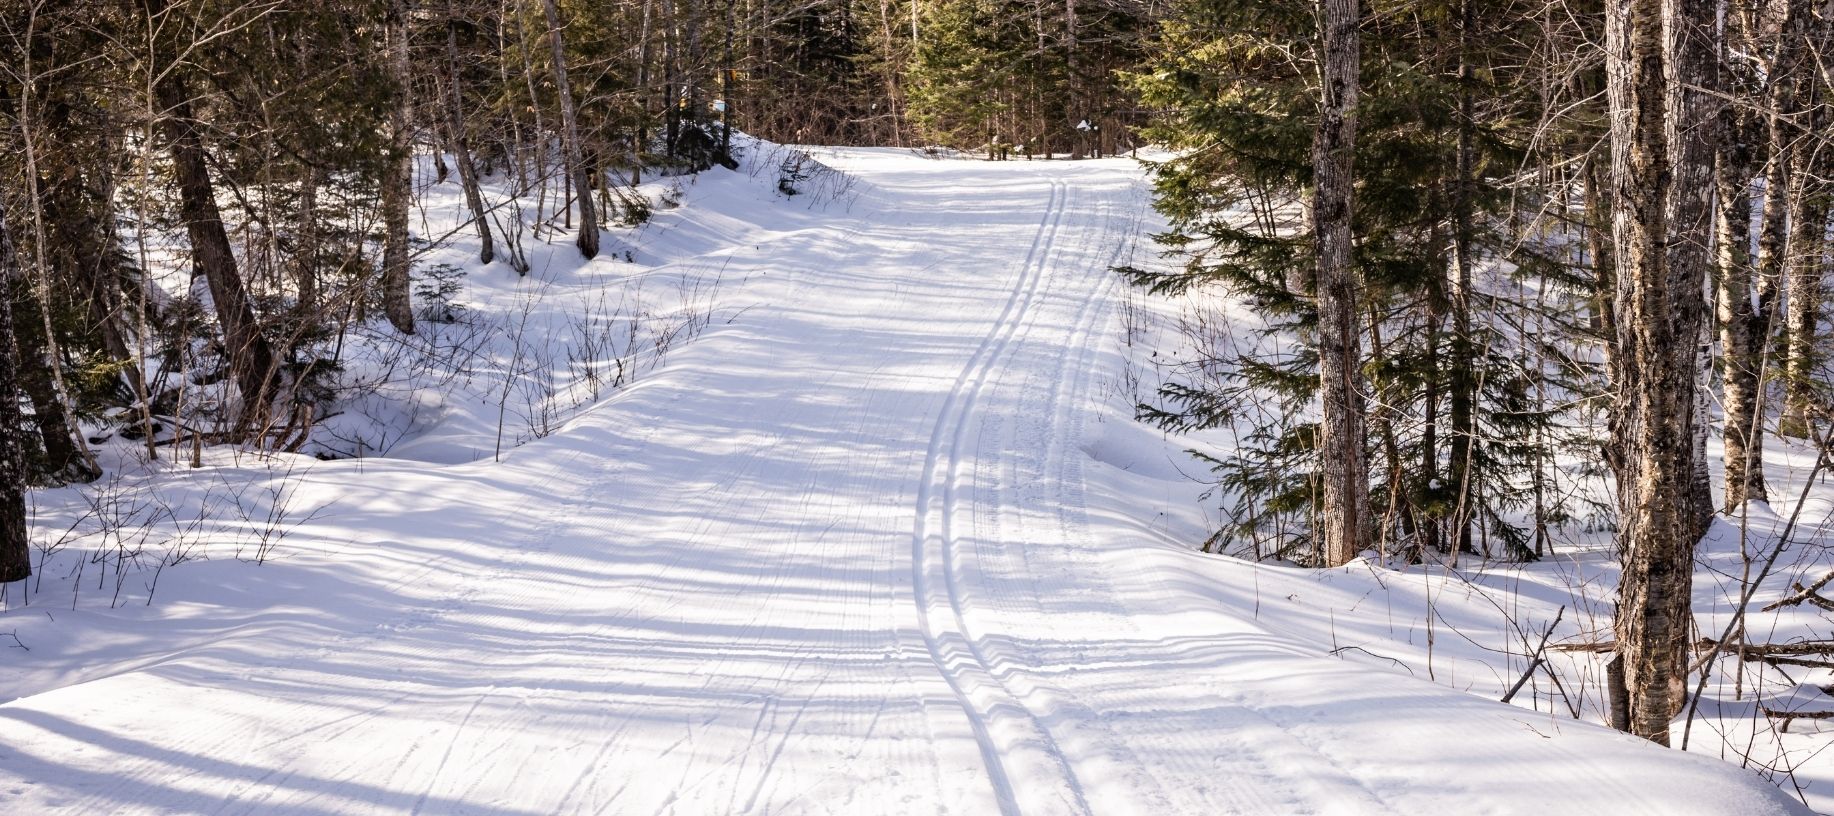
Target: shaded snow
[(881, 540)]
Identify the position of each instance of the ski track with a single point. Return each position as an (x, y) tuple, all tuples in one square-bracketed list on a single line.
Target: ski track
[(838, 557), (1009, 734)]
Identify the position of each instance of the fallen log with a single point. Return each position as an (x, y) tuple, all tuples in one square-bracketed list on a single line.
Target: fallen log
[(1791, 716)]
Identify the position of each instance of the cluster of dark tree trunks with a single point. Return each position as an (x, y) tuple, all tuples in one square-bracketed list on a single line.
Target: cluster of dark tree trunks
[(276, 146), (1678, 143)]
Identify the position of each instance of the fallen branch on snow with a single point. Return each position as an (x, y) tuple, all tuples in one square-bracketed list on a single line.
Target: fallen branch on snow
[(1788, 717), (1805, 594)]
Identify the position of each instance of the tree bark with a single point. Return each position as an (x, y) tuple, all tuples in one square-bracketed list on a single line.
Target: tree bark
[(1429, 530), (1604, 265), (1461, 474), (15, 549), (1784, 99), (1694, 113), (64, 462), (1808, 220), (588, 241), (52, 400), (1700, 474), (1741, 353), (305, 260), (1343, 461), (1805, 295), (461, 143), (251, 360), (641, 144), (1661, 80), (398, 177)]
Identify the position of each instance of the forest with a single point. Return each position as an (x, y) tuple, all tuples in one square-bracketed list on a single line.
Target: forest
[(1434, 292)]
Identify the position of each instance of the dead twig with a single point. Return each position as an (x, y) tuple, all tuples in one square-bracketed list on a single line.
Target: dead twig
[(1339, 652), (1535, 660), (1808, 594)]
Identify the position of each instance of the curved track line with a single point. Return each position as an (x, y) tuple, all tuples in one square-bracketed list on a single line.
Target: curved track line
[(958, 659)]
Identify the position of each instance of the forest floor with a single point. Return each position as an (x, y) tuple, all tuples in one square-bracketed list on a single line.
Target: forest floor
[(884, 538)]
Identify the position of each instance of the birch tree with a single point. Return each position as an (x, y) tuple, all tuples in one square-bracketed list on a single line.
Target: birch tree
[(398, 176), (1661, 86), (1809, 208)]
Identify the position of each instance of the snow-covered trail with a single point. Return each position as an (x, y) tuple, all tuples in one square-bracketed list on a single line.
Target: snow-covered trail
[(841, 557)]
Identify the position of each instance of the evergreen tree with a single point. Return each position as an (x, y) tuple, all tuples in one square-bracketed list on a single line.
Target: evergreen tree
[(1040, 75), (1458, 431)]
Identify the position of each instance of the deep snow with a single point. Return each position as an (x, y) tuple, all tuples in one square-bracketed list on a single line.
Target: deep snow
[(881, 539)]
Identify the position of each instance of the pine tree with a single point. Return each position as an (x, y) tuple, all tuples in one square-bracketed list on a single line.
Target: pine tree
[(1042, 75), (1459, 439)]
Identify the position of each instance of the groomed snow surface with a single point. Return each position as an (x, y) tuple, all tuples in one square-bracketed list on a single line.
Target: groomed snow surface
[(882, 538)]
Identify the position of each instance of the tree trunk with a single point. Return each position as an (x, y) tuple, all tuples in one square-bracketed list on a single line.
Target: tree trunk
[(1804, 316), (726, 90), (1700, 475), (1662, 144), (1078, 103), (588, 241), (77, 211), (1461, 474), (1742, 357), (15, 550), (1400, 501), (1342, 458), (1430, 527), (251, 360), (54, 394), (1808, 220), (1782, 197), (1693, 108), (1617, 697), (461, 143), (642, 142), (398, 177), (305, 260), (64, 462), (1604, 265)]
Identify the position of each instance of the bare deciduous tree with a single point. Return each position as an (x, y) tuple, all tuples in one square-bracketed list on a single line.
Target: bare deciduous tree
[(1662, 75)]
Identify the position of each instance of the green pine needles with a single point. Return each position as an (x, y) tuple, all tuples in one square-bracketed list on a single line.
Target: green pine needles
[(1470, 271)]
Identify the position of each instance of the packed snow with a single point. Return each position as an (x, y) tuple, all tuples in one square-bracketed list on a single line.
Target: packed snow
[(853, 517)]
